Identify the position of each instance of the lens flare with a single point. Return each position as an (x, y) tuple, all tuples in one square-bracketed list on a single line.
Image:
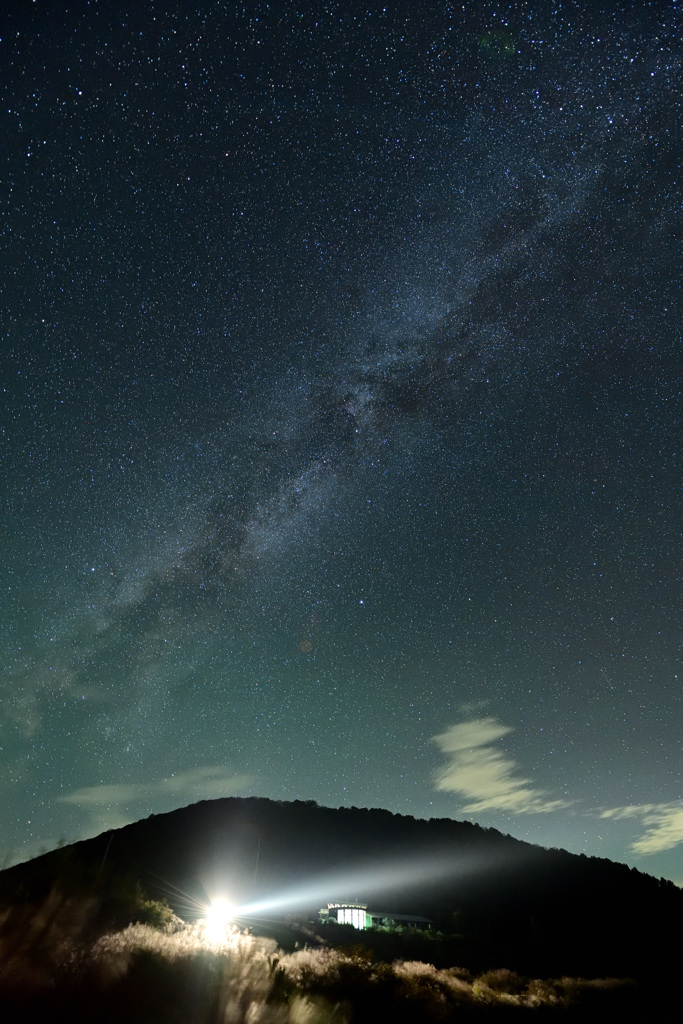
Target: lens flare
[(218, 919)]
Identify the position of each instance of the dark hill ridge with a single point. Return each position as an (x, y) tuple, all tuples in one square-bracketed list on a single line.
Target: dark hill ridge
[(511, 903)]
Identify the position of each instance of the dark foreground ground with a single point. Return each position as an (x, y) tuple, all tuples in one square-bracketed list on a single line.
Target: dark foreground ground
[(51, 969)]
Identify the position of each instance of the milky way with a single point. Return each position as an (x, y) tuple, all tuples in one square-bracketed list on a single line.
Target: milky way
[(341, 379)]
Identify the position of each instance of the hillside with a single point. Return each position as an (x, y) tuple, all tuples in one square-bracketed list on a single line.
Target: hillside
[(502, 902), (497, 904)]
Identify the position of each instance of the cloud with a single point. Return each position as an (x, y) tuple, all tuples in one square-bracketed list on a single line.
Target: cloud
[(483, 774), (663, 825), (110, 804)]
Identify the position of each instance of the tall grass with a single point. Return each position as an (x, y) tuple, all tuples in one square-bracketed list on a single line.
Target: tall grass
[(51, 969)]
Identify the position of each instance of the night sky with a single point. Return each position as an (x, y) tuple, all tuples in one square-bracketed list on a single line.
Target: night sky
[(340, 354)]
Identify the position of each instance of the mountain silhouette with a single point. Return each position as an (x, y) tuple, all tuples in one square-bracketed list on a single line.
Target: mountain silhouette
[(500, 901)]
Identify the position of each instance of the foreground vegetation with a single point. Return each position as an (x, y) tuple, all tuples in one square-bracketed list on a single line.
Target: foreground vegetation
[(53, 968)]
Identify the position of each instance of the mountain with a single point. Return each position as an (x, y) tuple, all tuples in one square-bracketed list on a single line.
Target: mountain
[(500, 902)]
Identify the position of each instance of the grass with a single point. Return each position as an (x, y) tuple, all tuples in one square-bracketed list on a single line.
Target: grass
[(53, 968)]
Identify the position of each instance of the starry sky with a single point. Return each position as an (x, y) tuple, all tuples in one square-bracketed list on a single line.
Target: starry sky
[(340, 354)]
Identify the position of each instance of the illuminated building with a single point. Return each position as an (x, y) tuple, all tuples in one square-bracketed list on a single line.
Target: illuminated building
[(358, 915)]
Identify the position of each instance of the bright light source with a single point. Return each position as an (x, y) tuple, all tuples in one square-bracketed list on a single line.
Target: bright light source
[(218, 918)]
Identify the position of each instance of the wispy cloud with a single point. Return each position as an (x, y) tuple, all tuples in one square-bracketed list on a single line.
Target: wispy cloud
[(483, 774), (663, 825), (113, 805)]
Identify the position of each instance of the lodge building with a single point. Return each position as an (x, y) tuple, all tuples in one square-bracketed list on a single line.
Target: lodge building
[(358, 915)]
